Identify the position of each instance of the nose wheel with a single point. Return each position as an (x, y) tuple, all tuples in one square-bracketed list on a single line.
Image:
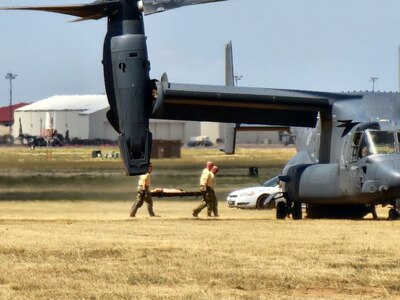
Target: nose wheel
[(394, 211), (284, 209), (281, 210), (393, 214)]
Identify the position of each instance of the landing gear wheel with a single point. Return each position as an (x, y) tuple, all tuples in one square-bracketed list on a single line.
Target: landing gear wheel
[(297, 213), (393, 214), (281, 210), (373, 212)]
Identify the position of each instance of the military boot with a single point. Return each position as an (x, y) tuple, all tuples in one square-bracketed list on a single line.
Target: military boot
[(133, 211)]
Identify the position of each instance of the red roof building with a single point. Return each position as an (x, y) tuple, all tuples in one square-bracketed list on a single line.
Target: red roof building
[(5, 113)]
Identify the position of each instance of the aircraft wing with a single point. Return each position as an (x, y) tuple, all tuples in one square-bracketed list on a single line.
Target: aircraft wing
[(231, 104), (155, 6)]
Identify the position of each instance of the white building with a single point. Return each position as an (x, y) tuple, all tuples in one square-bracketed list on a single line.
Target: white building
[(84, 116)]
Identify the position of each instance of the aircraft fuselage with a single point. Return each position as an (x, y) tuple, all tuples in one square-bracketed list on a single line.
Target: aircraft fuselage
[(349, 177)]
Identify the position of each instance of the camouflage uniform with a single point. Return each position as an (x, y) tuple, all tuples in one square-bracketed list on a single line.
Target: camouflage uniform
[(213, 198), (143, 195), (205, 192)]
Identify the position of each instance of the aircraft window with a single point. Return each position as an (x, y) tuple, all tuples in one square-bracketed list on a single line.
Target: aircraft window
[(364, 151), (398, 139), (356, 143), (356, 139), (379, 142), (133, 54)]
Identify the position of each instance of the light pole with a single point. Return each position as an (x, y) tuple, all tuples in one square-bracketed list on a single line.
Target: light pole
[(237, 78), (373, 79), (10, 76)]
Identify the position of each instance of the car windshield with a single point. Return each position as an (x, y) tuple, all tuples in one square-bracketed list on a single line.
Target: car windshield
[(272, 182)]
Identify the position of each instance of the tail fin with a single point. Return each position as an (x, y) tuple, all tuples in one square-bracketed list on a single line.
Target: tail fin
[(229, 73), (230, 128)]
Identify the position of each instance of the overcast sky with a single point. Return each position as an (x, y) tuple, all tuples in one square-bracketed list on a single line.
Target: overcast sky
[(325, 45)]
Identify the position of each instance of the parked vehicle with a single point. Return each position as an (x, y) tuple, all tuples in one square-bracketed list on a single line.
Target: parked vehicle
[(260, 197), (196, 141)]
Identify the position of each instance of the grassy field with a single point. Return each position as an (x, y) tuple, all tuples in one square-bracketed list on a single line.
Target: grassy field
[(80, 248), (93, 250), (72, 173)]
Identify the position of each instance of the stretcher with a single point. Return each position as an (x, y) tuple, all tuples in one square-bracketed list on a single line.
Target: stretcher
[(163, 192)]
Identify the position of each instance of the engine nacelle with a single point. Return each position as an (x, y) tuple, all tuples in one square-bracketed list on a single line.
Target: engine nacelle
[(313, 183), (130, 68)]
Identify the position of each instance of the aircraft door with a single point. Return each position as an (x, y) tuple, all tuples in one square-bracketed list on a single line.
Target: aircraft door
[(350, 181), (355, 172), (358, 145)]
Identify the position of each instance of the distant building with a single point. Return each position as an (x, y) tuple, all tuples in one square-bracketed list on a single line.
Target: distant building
[(84, 117), (216, 131)]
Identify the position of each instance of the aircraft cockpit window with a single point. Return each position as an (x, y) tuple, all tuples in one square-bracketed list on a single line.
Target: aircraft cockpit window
[(398, 139), (356, 143), (364, 151), (356, 139), (377, 142)]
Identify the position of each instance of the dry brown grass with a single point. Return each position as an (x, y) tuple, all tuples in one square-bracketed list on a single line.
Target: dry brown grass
[(92, 250)]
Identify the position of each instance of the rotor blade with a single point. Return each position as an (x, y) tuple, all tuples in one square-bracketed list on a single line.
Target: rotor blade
[(156, 6), (94, 11)]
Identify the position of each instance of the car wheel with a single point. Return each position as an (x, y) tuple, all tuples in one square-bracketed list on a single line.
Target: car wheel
[(261, 202)]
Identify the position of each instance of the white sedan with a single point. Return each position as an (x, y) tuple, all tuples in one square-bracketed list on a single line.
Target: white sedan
[(260, 197)]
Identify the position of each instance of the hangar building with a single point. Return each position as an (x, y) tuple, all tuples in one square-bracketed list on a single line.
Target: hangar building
[(84, 117)]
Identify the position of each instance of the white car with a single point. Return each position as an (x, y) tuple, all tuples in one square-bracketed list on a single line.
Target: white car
[(259, 197)]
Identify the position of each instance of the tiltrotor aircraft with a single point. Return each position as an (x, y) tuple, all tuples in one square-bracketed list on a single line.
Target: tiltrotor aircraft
[(348, 146)]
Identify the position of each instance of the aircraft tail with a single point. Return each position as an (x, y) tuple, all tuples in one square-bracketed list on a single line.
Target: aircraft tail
[(230, 128), (229, 74)]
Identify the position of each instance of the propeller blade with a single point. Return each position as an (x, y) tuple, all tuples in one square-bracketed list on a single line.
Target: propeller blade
[(103, 8), (156, 6), (94, 11)]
